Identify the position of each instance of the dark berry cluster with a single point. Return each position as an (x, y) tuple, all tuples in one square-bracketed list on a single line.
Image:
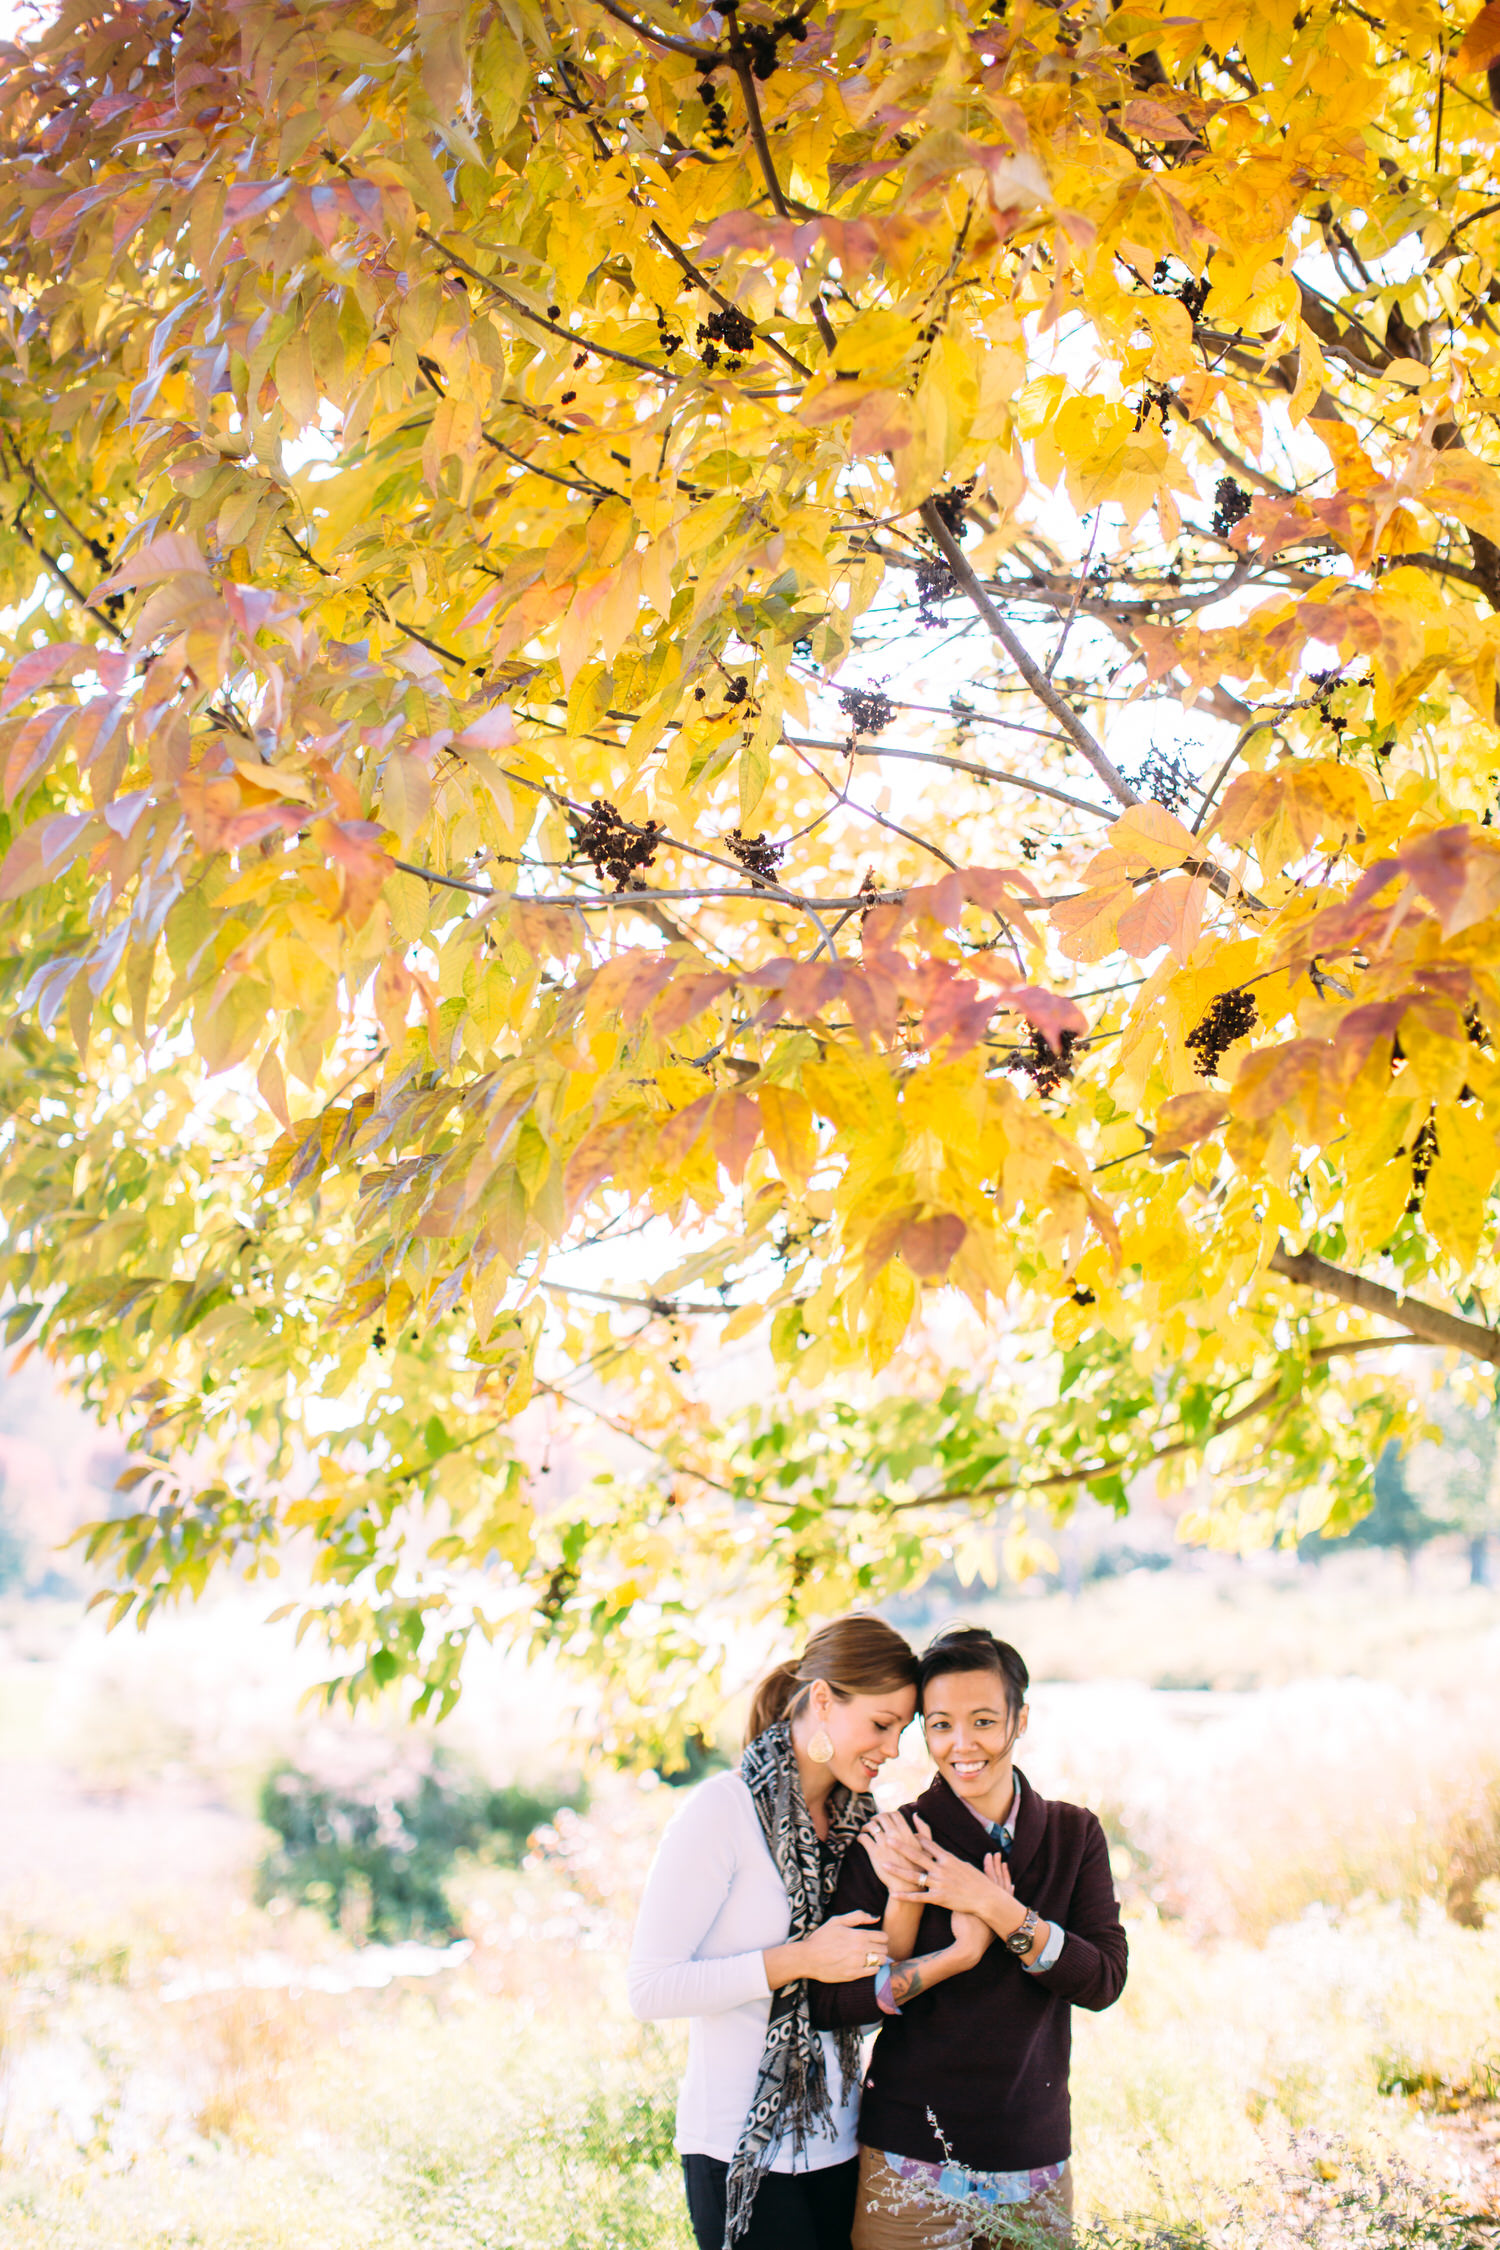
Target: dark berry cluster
[(1164, 779), (616, 847), (1424, 1153), (737, 688), (1193, 294), (1157, 400), (1230, 1017), (717, 114), (935, 585), (758, 853), (1325, 683), (952, 504), (1045, 1065), (664, 336), (731, 329), (760, 41), (868, 710), (1231, 506)]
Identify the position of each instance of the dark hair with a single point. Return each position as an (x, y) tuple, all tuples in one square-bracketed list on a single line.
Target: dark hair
[(856, 1655), (971, 1648)]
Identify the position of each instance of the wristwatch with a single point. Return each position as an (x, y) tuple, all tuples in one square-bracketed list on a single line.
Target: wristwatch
[(1020, 1941)]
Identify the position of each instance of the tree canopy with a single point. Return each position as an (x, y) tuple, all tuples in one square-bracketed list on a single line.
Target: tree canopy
[(480, 482)]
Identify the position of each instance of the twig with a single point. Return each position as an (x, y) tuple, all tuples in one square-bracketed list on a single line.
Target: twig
[(661, 38), (1040, 686), (567, 335), (961, 765), (746, 77)]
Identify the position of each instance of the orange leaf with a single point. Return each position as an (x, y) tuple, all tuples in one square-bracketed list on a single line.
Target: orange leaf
[(1169, 913), (1481, 42), (1187, 1119), (355, 844), (929, 1245)]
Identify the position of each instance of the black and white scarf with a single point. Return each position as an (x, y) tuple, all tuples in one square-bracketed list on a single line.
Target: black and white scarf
[(791, 2093)]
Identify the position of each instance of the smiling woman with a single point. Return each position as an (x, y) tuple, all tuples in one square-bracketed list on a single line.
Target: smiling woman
[(733, 1926), (964, 2123)]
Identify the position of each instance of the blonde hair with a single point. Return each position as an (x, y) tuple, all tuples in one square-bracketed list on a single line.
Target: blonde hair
[(856, 1655)]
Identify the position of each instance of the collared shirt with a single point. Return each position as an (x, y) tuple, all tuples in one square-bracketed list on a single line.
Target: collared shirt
[(1004, 1833)]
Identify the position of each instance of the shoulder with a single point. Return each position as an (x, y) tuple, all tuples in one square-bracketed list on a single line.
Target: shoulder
[(719, 1806), (1062, 1819)]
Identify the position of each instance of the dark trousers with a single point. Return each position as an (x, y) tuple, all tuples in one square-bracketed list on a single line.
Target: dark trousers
[(793, 2210)]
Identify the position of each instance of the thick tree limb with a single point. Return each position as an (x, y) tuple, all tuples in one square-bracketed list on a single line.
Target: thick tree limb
[(1429, 1323)]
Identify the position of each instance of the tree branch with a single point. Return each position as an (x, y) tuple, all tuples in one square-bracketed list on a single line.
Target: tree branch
[(1429, 1324), (701, 281), (567, 335), (54, 569), (1031, 672), (661, 38), (1342, 1347), (746, 77)]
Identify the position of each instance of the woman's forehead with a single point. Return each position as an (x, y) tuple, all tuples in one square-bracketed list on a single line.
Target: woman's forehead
[(967, 1691)]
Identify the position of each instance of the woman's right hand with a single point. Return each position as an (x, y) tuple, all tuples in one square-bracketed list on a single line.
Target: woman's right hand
[(892, 1851), (847, 1947)]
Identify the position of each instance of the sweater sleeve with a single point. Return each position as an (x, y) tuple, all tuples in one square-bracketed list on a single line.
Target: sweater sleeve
[(685, 1891), (1090, 1970), (839, 2007)]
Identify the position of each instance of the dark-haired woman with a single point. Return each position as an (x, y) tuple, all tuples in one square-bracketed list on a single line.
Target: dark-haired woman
[(964, 2121), (733, 1924)]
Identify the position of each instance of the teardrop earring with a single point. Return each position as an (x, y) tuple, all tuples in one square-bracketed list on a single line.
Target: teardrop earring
[(820, 1747)]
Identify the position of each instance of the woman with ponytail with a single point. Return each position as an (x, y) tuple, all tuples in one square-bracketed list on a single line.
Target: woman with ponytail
[(733, 1925)]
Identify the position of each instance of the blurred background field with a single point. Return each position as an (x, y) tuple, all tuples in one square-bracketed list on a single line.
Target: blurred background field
[(211, 2036)]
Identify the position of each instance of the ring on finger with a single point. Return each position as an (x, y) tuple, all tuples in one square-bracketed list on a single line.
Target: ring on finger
[(872, 1960)]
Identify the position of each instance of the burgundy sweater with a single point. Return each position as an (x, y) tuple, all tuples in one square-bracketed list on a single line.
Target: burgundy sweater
[(987, 2051)]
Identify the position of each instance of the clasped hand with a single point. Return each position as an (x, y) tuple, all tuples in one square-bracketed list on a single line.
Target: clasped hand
[(918, 1872)]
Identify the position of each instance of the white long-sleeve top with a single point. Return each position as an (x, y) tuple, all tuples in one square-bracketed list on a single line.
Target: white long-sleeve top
[(712, 1905)]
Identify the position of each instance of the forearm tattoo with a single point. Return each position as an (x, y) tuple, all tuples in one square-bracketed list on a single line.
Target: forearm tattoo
[(907, 1978)]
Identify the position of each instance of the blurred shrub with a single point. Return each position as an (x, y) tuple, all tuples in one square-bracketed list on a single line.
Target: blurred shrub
[(1119, 1562), (1435, 2090), (636, 2129), (247, 2042), (12, 1548), (694, 1762), (1473, 1842), (372, 1846)]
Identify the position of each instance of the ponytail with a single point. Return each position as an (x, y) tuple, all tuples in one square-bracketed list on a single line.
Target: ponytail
[(772, 1699), (856, 1655)]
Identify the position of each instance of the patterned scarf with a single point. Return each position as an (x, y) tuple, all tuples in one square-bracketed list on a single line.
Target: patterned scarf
[(791, 2093)]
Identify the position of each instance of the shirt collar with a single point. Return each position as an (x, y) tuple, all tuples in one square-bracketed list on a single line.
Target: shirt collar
[(1004, 1831)]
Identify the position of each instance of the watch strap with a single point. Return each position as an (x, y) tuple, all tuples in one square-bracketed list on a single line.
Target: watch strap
[(1020, 1940)]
